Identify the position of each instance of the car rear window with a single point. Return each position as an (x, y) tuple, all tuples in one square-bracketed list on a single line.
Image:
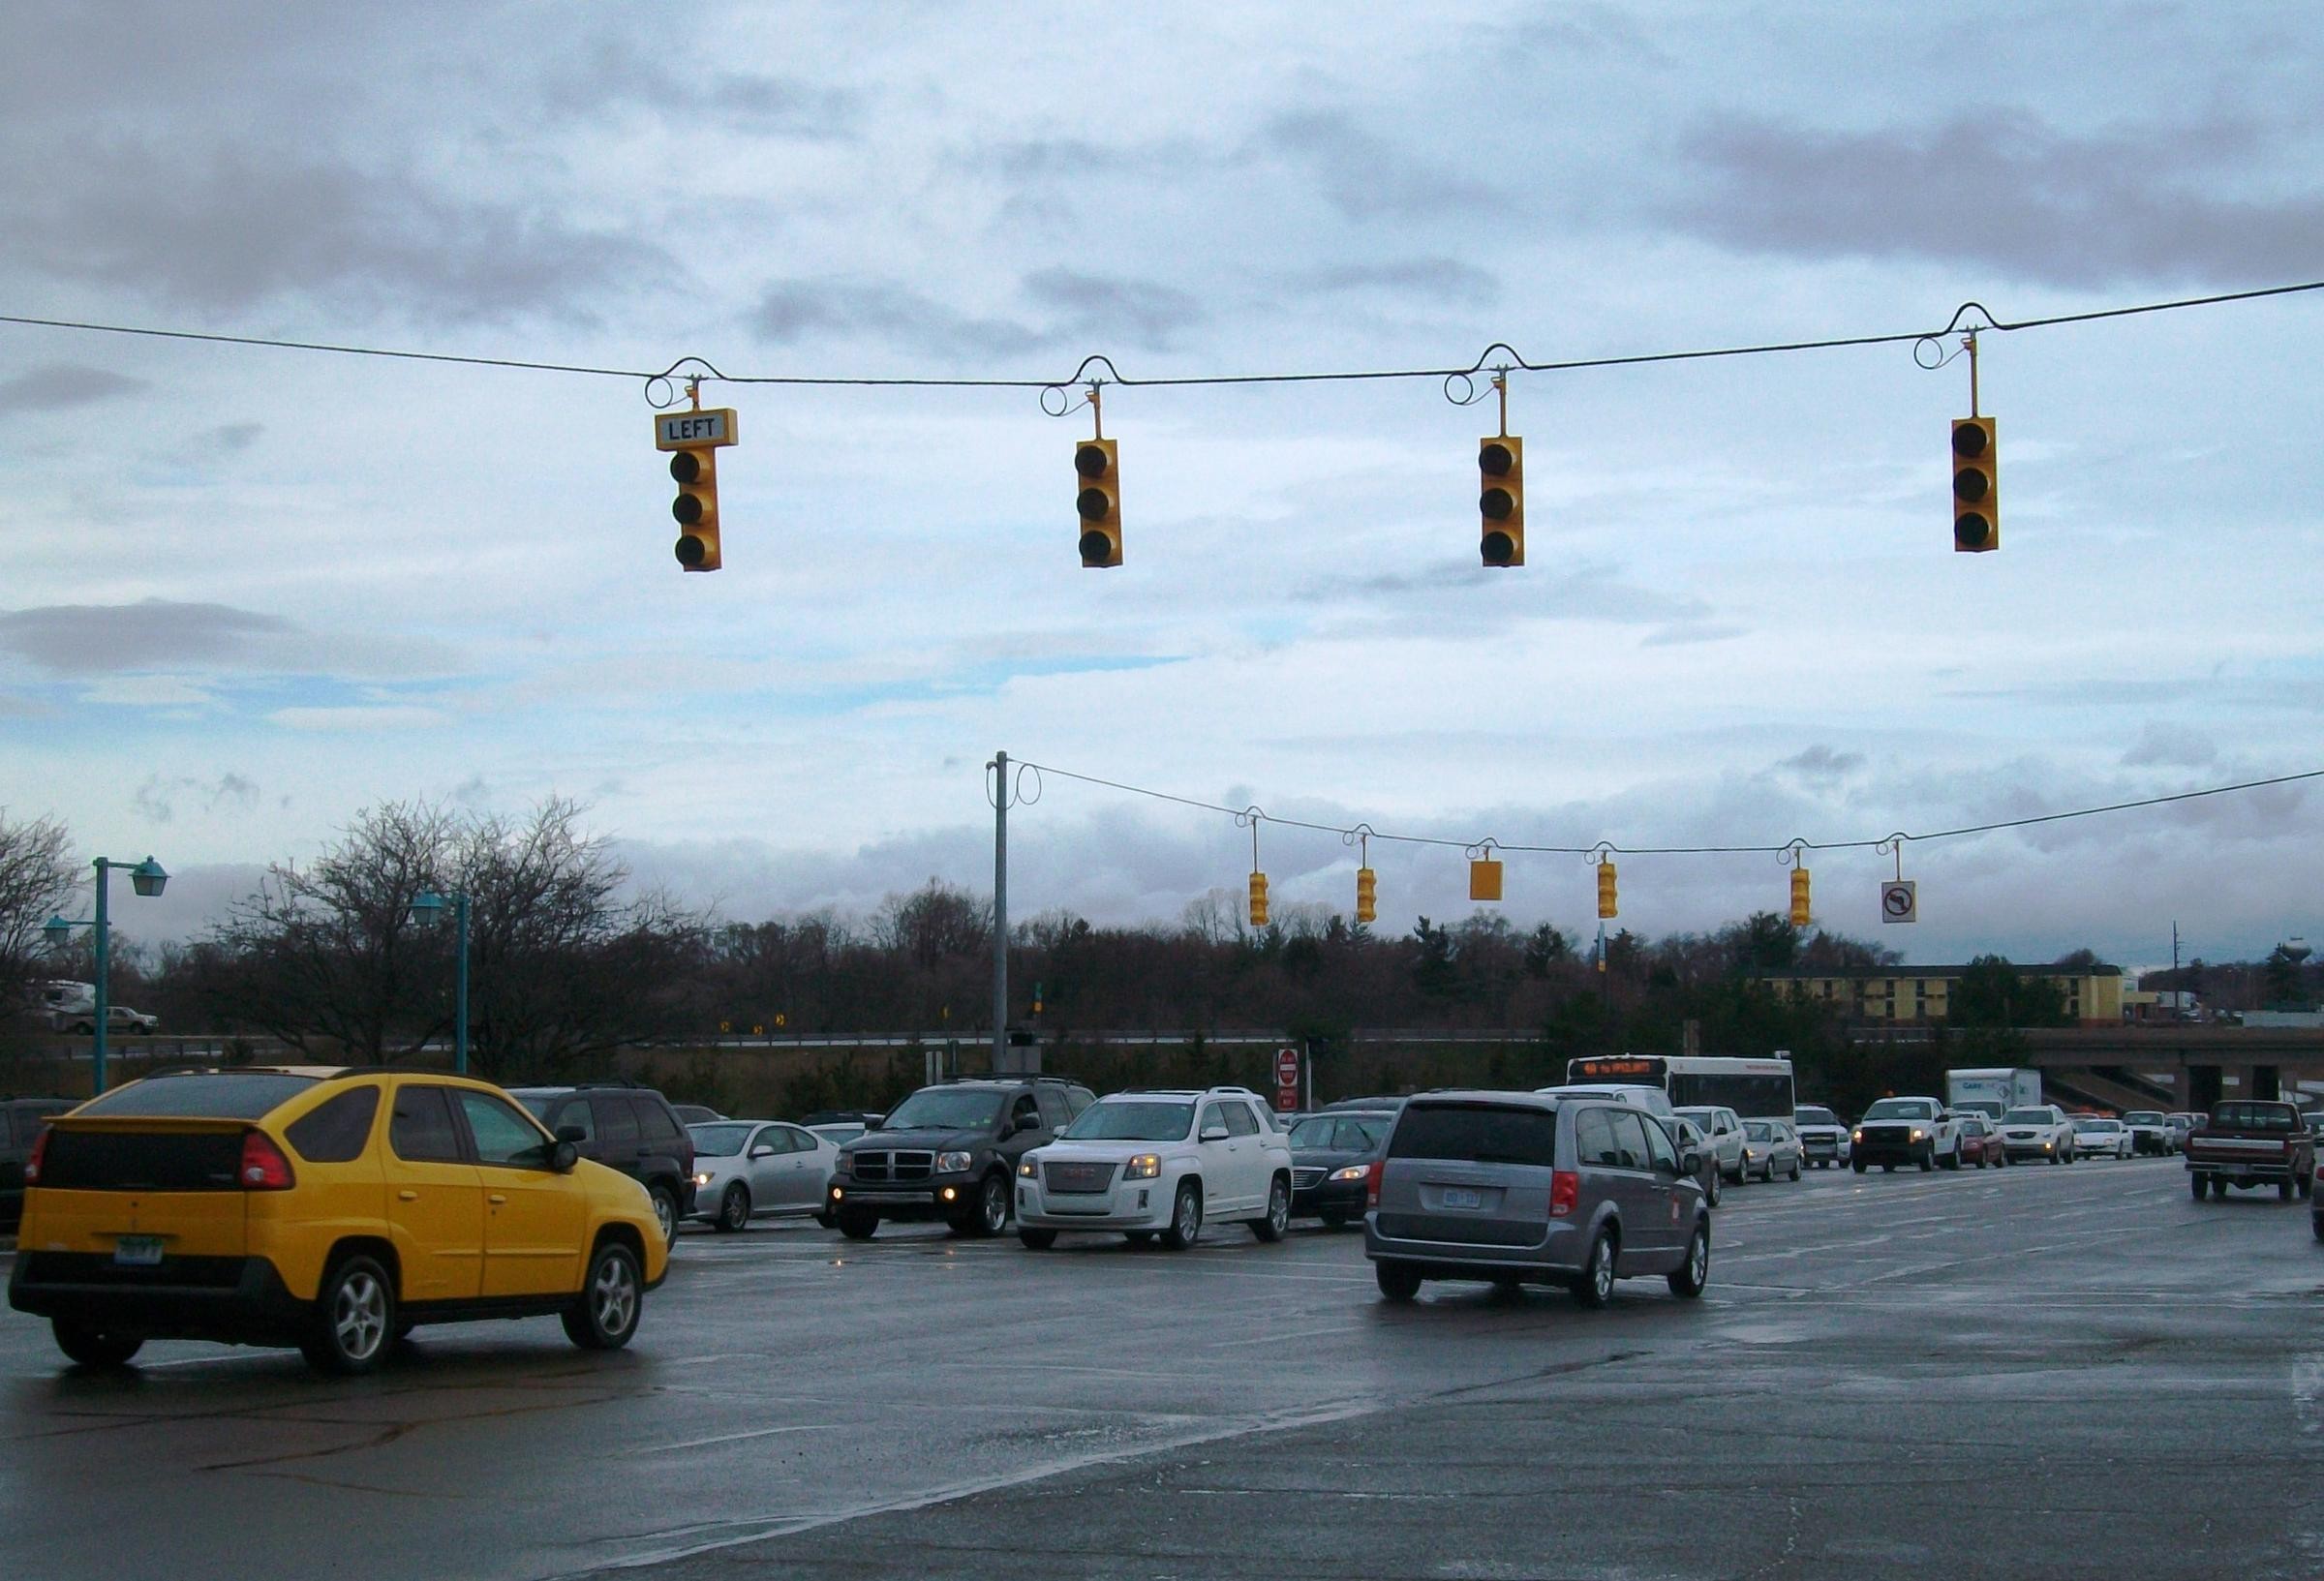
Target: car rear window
[(209, 1095), (1477, 1134), (2254, 1117)]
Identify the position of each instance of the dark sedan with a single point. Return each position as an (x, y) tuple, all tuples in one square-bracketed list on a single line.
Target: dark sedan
[(1331, 1159)]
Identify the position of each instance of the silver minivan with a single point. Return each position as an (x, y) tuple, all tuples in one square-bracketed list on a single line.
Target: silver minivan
[(1521, 1188)]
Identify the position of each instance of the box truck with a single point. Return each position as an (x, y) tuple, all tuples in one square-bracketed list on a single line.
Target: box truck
[(1993, 1091)]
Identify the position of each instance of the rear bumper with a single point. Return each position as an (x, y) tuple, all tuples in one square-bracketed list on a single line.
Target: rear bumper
[(235, 1299), (1559, 1254), (2241, 1169)]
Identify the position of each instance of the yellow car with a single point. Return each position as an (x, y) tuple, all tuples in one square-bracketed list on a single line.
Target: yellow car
[(329, 1209)]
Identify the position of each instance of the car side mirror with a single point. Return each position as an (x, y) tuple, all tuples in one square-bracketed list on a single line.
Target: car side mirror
[(563, 1155), (762, 1150), (1689, 1161), (571, 1133), (1215, 1133), (1027, 1122)]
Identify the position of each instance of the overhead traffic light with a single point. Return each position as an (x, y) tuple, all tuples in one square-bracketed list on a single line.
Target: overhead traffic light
[(1257, 899), (1799, 897), (1367, 895), (1099, 501), (1501, 498), (1484, 879), (1606, 889), (692, 439), (1976, 487)]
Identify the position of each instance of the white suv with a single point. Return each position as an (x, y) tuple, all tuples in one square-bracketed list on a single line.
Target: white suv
[(1158, 1163)]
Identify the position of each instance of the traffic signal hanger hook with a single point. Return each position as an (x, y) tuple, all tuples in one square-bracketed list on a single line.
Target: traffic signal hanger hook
[(1792, 853), (1360, 837), (1251, 817), (1929, 350), (1894, 845), (1599, 854), (668, 378)]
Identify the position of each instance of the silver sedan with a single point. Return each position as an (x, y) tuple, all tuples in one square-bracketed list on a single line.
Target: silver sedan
[(746, 1170)]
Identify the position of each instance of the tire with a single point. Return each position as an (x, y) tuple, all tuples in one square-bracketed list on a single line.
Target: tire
[(612, 1300), (993, 1207), (1888, 1169), (1398, 1283), (734, 1209), (2283, 1189), (2316, 1223), (2058, 1157), (1593, 1286), (1335, 1219), (1185, 1218), (1980, 1161), (665, 1211), (1927, 1161), (1278, 1219), (1713, 1190), (1952, 1160), (1037, 1240), (1139, 1237), (857, 1225), (353, 1321), (2307, 1187), (2218, 1187), (1795, 1171), (1857, 1164), (1507, 1289), (1689, 1277), (87, 1345), (2199, 1185)]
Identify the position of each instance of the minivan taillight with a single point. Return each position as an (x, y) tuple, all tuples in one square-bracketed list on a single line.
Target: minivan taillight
[(1371, 1184), (263, 1166), (31, 1165), (1565, 1193)]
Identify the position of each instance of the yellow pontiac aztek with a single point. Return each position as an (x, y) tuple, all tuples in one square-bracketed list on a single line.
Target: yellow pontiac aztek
[(333, 1210)]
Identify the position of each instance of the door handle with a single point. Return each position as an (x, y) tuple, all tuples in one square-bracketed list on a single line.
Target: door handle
[(407, 1195), (497, 1198)]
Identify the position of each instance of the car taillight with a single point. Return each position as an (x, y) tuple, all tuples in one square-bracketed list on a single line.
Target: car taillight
[(1371, 1184), (1565, 1193), (263, 1166), (31, 1165)]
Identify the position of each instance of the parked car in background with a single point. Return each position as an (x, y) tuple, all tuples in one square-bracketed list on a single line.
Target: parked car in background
[(2095, 1135), (1576, 1189), (1706, 1163), (626, 1128), (2176, 1125), (949, 1154), (1652, 1100), (1822, 1136), (2038, 1135), (1771, 1147), (1158, 1163), (2148, 1132), (21, 1122), (1905, 1130), (1981, 1142), (690, 1115), (1722, 1129), (746, 1170), (1331, 1159), (841, 1125), (119, 1020)]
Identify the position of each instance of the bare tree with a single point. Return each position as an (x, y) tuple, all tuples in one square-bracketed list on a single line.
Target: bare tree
[(36, 877)]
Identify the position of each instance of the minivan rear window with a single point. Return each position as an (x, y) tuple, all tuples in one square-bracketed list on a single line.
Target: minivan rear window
[(210, 1095), (1477, 1134)]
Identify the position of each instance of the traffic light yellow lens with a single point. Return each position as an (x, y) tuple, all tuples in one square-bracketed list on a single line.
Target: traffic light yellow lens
[(1497, 504), (1970, 484), (1093, 504), (687, 509)]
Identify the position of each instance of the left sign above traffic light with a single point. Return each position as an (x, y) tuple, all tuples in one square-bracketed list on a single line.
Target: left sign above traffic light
[(692, 439)]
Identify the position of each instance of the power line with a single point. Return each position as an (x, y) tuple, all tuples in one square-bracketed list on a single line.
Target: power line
[(1968, 316), (1349, 834)]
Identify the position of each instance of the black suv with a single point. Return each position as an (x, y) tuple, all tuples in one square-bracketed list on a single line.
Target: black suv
[(631, 1129), (949, 1152), (21, 1122)]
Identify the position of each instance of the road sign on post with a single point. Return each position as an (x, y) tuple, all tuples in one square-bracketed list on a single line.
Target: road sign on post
[(1287, 1079), (1899, 902)]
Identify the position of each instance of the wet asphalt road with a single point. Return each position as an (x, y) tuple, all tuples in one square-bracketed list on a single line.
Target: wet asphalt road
[(2062, 1372)]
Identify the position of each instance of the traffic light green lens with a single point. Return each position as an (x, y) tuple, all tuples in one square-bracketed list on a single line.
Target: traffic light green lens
[(693, 551), (1499, 549), (1971, 530), (1093, 504), (1089, 460), (1497, 504), (1495, 460), (1096, 548), (1970, 485)]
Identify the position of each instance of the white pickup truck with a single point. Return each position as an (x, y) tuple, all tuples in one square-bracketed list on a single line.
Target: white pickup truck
[(1897, 1131)]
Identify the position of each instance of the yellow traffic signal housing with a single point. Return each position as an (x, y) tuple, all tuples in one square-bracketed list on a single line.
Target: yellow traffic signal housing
[(1484, 879), (1099, 501), (1799, 897), (1606, 889), (1257, 899), (1501, 498), (1367, 895), (1976, 487), (696, 507)]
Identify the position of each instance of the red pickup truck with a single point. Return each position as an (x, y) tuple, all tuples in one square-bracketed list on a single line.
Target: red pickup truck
[(2251, 1142)]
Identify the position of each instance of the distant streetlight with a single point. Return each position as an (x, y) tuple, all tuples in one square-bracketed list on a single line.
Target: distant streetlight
[(147, 879), (426, 907)]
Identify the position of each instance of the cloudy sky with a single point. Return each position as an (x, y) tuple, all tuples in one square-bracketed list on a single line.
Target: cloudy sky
[(246, 593)]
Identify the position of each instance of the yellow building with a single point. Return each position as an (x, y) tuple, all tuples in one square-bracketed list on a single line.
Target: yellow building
[(2094, 994)]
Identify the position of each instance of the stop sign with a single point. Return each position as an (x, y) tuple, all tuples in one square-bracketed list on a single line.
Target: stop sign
[(1287, 1067)]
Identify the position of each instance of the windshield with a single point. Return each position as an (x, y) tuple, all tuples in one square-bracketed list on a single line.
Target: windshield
[(2028, 1116), (2096, 1125), (2143, 1116), (1758, 1130), (946, 1108), (1902, 1108), (1816, 1116), (1139, 1119), (719, 1140)]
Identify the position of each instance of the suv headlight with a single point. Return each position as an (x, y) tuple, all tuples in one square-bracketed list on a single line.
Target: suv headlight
[(1354, 1171), (1918, 1135), (1027, 1168), (954, 1163), (1144, 1167)]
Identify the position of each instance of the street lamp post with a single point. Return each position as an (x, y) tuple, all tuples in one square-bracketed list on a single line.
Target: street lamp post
[(147, 879), (427, 906)]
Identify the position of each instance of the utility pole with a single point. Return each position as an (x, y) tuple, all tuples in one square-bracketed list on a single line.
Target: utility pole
[(1000, 910)]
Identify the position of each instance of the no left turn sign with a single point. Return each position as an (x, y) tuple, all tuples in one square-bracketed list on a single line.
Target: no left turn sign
[(1899, 903)]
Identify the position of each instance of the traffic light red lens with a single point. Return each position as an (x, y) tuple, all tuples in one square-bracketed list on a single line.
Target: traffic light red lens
[(691, 551), (1096, 548), (1093, 504), (1971, 530), (1495, 460), (1497, 504), (686, 465), (1090, 462), (1970, 485), (1499, 548), (1969, 441), (687, 509)]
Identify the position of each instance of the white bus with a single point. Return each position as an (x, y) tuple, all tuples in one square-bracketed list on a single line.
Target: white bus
[(1757, 1090)]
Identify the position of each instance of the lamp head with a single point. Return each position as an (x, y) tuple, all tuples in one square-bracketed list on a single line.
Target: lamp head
[(427, 906), (57, 932), (147, 877)]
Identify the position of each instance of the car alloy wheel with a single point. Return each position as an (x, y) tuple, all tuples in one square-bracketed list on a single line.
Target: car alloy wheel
[(1185, 1218), (1689, 1277), (992, 1206), (734, 1209), (1595, 1286), (611, 1301), (665, 1212), (355, 1317), (1278, 1212)]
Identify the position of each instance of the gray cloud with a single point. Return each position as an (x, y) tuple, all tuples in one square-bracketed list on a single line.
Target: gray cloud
[(1680, 634), (1144, 314), (1050, 158), (84, 639), (616, 73), (1820, 763), (237, 226), (2170, 747), (1443, 279), (1364, 177), (2001, 191), (157, 796), (58, 386), (1078, 308)]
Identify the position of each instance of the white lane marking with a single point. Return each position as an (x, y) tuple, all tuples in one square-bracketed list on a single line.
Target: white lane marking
[(733, 1438), (1276, 1339)]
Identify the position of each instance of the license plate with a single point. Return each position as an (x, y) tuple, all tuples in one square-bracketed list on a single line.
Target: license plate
[(138, 1251), (1463, 1197)]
